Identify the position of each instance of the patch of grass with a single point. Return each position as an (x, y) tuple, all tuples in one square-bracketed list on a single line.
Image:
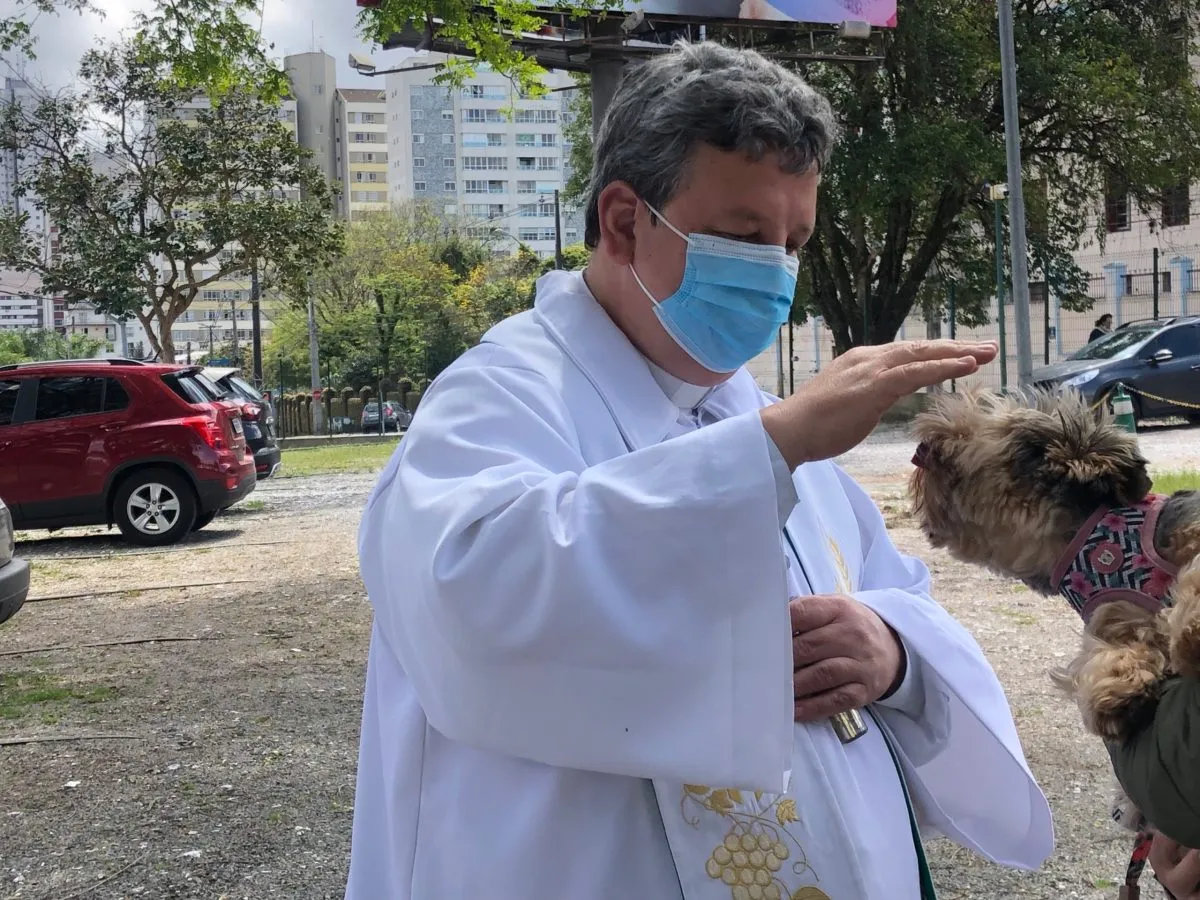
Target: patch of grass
[(46, 570), (252, 506), (25, 692), (336, 459), (1170, 482), (1020, 618)]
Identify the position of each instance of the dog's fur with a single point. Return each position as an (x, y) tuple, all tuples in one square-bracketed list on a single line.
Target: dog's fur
[(1007, 481)]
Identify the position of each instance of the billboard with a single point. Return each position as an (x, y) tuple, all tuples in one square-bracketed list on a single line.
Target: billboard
[(878, 13)]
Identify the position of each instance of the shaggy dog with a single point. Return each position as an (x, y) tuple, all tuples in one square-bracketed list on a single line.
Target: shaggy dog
[(1041, 488)]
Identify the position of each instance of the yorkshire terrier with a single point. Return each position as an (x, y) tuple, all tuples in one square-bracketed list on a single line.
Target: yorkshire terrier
[(1042, 488)]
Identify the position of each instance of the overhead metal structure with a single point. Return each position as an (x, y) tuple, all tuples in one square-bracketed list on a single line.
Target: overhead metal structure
[(602, 44)]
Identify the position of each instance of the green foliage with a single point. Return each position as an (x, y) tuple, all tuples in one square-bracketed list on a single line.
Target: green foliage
[(577, 131), (156, 197), (411, 293), (483, 31), (39, 345), (1105, 92), (16, 35)]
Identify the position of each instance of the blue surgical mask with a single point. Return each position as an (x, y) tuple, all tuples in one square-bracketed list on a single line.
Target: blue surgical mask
[(732, 301)]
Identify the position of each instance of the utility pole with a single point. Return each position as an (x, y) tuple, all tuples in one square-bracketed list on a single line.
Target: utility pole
[(558, 257), (997, 193), (233, 315), (315, 366), (1016, 197), (255, 327)]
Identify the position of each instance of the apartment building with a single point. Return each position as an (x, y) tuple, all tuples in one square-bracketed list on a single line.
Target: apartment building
[(462, 151), (362, 151)]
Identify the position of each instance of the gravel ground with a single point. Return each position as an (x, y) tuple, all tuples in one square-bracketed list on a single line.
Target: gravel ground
[(222, 765)]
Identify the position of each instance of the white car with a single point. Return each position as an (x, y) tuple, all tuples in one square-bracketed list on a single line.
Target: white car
[(14, 572)]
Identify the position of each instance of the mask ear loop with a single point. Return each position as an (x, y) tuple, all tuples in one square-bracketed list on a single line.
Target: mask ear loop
[(683, 237)]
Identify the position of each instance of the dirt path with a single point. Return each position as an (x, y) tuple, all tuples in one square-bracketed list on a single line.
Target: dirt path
[(233, 773)]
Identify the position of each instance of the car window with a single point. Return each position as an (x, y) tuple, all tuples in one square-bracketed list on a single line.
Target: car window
[(187, 388), (9, 388), (245, 388), (1181, 341), (63, 397), (115, 396), (218, 392)]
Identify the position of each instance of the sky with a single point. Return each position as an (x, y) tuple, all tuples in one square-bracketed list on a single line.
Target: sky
[(293, 26)]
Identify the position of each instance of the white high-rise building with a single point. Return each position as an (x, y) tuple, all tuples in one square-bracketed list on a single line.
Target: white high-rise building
[(19, 163), (457, 149), (361, 115)]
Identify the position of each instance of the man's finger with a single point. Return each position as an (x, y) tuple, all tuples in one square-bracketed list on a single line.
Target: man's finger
[(905, 353), (1187, 872), (912, 377), (1164, 852), (811, 613), (827, 642), (822, 706), (826, 675)]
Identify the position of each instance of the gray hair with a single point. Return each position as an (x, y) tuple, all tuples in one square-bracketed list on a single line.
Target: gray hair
[(704, 93)]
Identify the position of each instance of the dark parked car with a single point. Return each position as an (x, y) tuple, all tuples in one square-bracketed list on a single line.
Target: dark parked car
[(1158, 358), (104, 442), (14, 572), (258, 416), (395, 417)]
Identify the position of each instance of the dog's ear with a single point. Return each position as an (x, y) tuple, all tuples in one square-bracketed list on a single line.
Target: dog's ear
[(1081, 462)]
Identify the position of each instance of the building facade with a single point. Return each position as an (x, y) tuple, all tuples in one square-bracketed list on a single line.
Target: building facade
[(362, 151), (482, 153)]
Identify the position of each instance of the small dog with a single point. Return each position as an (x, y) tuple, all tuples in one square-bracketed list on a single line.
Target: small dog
[(1041, 488)]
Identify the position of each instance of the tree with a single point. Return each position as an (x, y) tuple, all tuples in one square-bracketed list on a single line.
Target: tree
[(16, 34), (39, 345), (577, 131), (156, 196), (483, 31), (1106, 97)]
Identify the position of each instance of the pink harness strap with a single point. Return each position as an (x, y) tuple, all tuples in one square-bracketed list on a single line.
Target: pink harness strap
[(1112, 557)]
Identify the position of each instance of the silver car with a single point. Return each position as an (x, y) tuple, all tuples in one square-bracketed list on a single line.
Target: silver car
[(14, 572)]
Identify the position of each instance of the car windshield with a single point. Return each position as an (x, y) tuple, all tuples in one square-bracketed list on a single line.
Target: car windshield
[(372, 408), (1119, 343)]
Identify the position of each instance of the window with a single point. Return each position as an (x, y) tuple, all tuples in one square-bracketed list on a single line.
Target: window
[(418, 138), (417, 113), (318, 88), (448, 162), (547, 163), (476, 187), (418, 186), (418, 162), (526, 163), (1116, 208), (525, 140), (1176, 206), (538, 116), (495, 140), (1166, 282), (115, 397), (482, 115), (492, 163), (448, 114), (1182, 342), (549, 140), (60, 398), (9, 389), (447, 138), (526, 187), (1039, 292), (450, 187)]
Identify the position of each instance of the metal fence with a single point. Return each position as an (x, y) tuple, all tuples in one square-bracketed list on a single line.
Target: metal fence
[(1121, 284)]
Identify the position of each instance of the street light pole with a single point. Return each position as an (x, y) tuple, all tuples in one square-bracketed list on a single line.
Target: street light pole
[(1016, 197)]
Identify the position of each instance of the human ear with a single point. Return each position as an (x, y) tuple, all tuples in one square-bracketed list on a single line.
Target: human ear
[(617, 207)]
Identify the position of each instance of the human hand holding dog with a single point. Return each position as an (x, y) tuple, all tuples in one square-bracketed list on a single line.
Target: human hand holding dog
[(843, 655), (1177, 867), (834, 411)]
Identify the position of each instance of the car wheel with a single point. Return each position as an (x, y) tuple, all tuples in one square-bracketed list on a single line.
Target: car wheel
[(203, 520), (154, 507)]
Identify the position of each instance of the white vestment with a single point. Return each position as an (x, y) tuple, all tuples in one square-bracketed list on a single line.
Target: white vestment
[(580, 675)]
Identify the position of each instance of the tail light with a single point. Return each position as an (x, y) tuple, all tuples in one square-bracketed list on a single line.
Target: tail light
[(209, 430), (251, 411)]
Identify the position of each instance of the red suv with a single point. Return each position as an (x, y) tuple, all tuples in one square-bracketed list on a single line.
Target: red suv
[(146, 447)]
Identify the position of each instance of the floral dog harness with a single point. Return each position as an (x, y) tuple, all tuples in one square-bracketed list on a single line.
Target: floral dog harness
[(1113, 558)]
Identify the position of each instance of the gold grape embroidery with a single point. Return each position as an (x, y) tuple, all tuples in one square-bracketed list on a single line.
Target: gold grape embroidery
[(751, 858)]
